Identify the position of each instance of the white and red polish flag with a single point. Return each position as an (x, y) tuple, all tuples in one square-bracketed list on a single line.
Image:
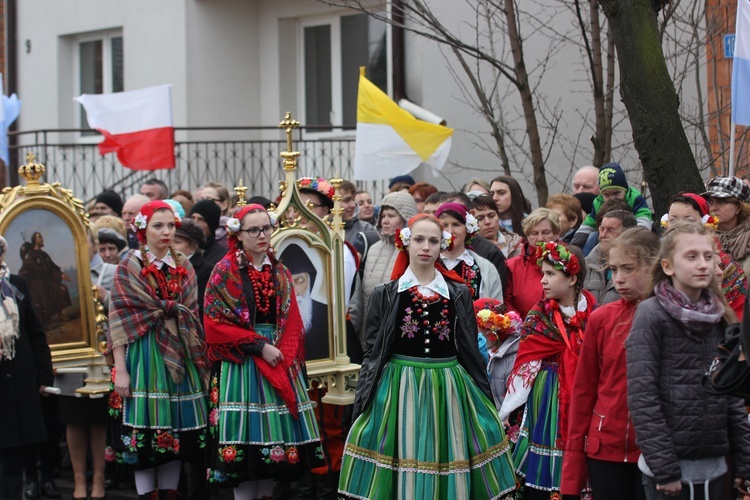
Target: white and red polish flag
[(137, 125)]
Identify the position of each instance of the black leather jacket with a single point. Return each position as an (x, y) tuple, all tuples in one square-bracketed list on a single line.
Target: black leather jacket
[(380, 328)]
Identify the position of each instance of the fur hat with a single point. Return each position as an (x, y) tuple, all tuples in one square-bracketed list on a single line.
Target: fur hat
[(402, 202)]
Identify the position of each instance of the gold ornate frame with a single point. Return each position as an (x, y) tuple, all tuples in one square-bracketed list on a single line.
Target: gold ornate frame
[(60, 202)]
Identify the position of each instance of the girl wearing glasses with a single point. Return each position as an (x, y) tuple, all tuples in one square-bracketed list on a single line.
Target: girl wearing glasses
[(261, 421)]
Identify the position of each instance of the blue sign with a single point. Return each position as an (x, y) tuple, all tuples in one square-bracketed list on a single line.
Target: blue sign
[(729, 46)]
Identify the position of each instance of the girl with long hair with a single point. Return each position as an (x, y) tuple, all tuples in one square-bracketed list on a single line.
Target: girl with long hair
[(601, 439), (683, 431), (425, 424)]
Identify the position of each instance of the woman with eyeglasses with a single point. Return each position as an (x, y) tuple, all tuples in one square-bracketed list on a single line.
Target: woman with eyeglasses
[(261, 421)]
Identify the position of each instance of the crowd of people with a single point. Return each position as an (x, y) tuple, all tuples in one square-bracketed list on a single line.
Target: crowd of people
[(507, 352)]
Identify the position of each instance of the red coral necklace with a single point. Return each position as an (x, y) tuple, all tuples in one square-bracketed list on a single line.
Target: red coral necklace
[(263, 288)]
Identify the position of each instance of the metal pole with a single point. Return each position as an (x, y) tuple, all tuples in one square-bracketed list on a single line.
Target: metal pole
[(731, 149)]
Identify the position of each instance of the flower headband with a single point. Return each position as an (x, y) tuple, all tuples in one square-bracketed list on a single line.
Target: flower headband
[(462, 214), (403, 237), (498, 325), (320, 185), (709, 221), (559, 256), (233, 223)]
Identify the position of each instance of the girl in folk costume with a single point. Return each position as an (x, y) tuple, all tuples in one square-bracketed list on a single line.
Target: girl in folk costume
[(501, 328), (262, 424), (545, 366), (684, 432), (425, 424), (161, 367), (601, 438), (478, 273)]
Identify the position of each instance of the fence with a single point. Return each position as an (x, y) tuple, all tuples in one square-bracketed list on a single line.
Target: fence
[(256, 162)]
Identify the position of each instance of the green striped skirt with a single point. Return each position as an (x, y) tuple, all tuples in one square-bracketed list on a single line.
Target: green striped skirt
[(252, 435), (536, 455), (428, 433), (163, 420)]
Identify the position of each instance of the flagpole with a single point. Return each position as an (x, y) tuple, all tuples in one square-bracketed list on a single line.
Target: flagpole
[(731, 149)]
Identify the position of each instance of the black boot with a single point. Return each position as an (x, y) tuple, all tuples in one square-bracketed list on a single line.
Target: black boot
[(154, 495), (169, 495), (32, 490)]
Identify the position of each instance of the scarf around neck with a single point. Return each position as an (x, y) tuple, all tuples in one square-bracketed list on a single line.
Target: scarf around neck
[(736, 241), (697, 318), (136, 311)]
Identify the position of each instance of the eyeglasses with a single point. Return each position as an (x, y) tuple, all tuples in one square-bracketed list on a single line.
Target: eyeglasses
[(254, 232), (209, 198)]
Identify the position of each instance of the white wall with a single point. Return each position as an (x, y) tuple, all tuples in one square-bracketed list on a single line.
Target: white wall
[(153, 44)]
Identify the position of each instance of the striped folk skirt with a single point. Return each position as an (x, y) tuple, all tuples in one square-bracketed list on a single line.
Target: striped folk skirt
[(251, 434), (536, 455), (428, 433), (163, 420)]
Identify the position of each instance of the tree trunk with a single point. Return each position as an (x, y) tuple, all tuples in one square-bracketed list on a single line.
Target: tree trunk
[(609, 99), (527, 103), (652, 103)]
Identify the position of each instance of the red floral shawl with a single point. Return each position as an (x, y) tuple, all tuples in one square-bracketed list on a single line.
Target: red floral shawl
[(135, 310), (228, 324), (541, 339)]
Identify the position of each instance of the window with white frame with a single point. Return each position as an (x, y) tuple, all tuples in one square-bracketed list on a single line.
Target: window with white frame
[(100, 67), (333, 50)]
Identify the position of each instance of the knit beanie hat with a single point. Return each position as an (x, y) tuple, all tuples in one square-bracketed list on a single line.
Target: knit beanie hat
[(210, 212), (112, 200), (402, 202), (611, 176)]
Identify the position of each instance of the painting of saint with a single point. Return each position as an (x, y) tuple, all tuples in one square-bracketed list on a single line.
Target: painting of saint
[(309, 286), (42, 250)]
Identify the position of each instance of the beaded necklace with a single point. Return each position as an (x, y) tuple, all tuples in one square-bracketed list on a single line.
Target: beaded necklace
[(470, 275), (263, 287), (420, 303)]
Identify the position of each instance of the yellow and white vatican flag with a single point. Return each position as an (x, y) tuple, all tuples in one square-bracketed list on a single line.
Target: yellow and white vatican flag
[(390, 141)]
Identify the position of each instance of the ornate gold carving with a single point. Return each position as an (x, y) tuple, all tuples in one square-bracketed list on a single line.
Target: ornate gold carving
[(240, 190), (289, 156), (31, 171)]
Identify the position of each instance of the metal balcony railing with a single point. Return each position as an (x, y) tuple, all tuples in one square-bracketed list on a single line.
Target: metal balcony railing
[(227, 155)]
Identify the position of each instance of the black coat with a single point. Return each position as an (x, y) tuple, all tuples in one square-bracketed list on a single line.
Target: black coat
[(674, 417), (21, 418), (380, 328), (203, 270)]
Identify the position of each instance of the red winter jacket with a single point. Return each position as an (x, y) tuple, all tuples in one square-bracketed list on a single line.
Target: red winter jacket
[(524, 287), (599, 421)]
